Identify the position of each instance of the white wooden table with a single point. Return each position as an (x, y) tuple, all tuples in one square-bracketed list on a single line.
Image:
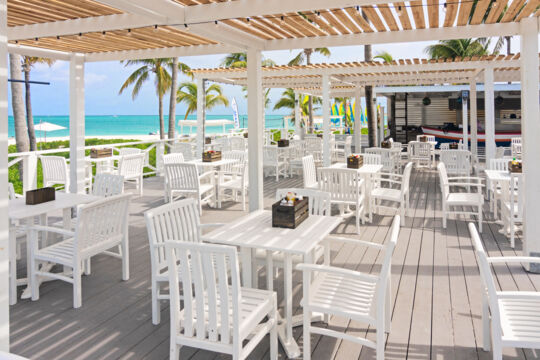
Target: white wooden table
[(214, 165), (102, 162), (21, 214), (255, 231)]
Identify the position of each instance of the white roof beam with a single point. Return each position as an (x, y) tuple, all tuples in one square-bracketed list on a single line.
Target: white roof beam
[(227, 35), (38, 52), (134, 7)]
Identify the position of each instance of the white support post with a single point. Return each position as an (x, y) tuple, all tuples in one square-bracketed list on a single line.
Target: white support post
[(465, 122), (489, 99), (530, 132), (29, 172), (4, 235), (357, 121), (77, 163), (474, 121), (200, 117), (255, 129), (326, 119), (297, 114)]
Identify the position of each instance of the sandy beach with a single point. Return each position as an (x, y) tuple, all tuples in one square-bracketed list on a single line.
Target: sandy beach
[(105, 137)]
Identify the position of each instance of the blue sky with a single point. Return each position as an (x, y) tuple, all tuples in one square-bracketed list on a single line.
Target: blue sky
[(103, 80)]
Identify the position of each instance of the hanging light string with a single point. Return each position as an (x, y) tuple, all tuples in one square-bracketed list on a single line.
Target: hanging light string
[(281, 18)]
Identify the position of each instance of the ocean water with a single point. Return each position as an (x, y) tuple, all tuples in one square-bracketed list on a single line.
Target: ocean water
[(136, 124)]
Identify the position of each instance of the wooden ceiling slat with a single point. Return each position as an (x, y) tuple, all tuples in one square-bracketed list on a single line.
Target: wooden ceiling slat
[(302, 26), (479, 12), (512, 11), (332, 20), (263, 27), (451, 13), (356, 16), (403, 15), (285, 25), (320, 21), (240, 25), (374, 18), (309, 25), (417, 9), (531, 6), (275, 28), (433, 13), (388, 17), (345, 20), (497, 7), (464, 12)]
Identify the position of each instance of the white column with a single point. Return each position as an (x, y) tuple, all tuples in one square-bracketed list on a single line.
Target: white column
[(357, 121), (4, 259), (530, 132), (489, 99), (77, 163), (297, 114), (255, 129), (474, 120), (465, 122), (201, 98), (326, 119)]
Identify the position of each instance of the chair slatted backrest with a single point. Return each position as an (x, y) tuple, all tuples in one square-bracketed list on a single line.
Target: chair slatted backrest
[(11, 192), (516, 150), (55, 169), (223, 143), (131, 166), (309, 171), (516, 140), (487, 279), (182, 177), (179, 221), (513, 191), (128, 151), (239, 164), (498, 164), (237, 143), (445, 146), (443, 178), (296, 150), (382, 282), (344, 185), (420, 150), (270, 154), (185, 149), (406, 177), (372, 159), (101, 223), (430, 138), (173, 158), (319, 201), (211, 300), (397, 145), (388, 157), (313, 144), (347, 148), (108, 185), (457, 162)]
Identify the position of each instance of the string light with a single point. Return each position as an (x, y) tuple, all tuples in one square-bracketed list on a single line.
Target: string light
[(36, 40), (444, 7), (57, 37), (103, 33), (216, 23), (282, 20), (155, 28), (79, 36), (186, 27), (129, 32), (400, 11)]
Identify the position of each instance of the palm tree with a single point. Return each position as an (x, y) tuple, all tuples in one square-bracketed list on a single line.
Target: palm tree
[(175, 67), (21, 133), (158, 68), (385, 56), (28, 63), (287, 101), (305, 55), (239, 60), (187, 94), (458, 48)]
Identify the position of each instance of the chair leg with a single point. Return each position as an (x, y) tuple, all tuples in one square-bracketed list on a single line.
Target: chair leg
[(87, 266), (77, 292), (480, 218), (486, 335), (125, 258), (380, 343), (141, 186), (307, 334), (512, 234), (174, 350), (156, 306), (12, 267), (273, 332)]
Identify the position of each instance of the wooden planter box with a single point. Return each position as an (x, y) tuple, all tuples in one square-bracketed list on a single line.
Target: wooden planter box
[(386, 145), (354, 162), (422, 138), (515, 168), (38, 196), (211, 156), (453, 146), (207, 141), (290, 216), (320, 135), (100, 153), (283, 143), (245, 135)]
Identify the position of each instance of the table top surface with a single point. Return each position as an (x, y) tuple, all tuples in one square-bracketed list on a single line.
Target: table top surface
[(255, 231), (497, 175), (214, 163), (17, 209), (365, 169), (102, 159)]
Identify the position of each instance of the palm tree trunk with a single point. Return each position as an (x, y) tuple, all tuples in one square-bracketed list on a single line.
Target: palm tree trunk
[(161, 120), (371, 120), (29, 115), (172, 103), (310, 98), (17, 102)]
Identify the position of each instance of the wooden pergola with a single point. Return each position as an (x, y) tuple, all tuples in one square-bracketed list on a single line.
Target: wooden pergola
[(81, 31)]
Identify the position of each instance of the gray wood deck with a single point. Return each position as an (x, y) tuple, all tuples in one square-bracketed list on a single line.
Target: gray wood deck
[(435, 288)]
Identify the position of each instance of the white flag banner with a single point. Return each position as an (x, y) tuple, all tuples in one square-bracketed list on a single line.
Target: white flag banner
[(235, 113)]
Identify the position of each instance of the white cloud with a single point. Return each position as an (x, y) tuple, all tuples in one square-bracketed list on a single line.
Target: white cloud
[(93, 78)]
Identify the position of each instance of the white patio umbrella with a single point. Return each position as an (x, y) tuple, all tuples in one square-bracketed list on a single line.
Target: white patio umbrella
[(47, 126)]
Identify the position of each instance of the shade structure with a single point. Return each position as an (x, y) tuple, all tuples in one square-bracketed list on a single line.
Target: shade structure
[(208, 123), (47, 126)]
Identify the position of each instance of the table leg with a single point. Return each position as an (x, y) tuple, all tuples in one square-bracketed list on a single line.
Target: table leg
[(245, 254), (12, 266), (286, 325)]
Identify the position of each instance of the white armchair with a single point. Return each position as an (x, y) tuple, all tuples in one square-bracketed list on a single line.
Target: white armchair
[(183, 180)]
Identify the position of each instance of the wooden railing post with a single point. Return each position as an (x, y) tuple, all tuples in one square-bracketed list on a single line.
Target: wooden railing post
[(160, 151)]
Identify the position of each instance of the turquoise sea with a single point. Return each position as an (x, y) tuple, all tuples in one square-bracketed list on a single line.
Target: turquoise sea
[(135, 124)]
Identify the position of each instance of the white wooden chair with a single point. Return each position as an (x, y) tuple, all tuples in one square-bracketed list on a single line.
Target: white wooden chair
[(55, 171), (309, 172), (342, 154), (350, 294), (513, 201), (101, 225), (296, 153), (272, 161), (457, 162), (173, 158), (346, 187), (453, 199), (128, 151), (313, 146), (494, 190), (184, 181), (217, 314), (372, 159), (516, 150), (509, 318), (108, 185), (420, 153), (233, 177), (430, 138), (185, 149), (178, 221), (131, 167), (395, 191), (223, 143), (444, 146), (390, 159), (237, 143)]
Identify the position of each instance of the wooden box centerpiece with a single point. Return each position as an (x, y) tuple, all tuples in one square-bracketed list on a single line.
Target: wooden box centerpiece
[(101, 153), (283, 143), (320, 135), (355, 162), (207, 140), (211, 155), (422, 138), (386, 144), (515, 167), (245, 135), (38, 196), (290, 212), (453, 146)]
